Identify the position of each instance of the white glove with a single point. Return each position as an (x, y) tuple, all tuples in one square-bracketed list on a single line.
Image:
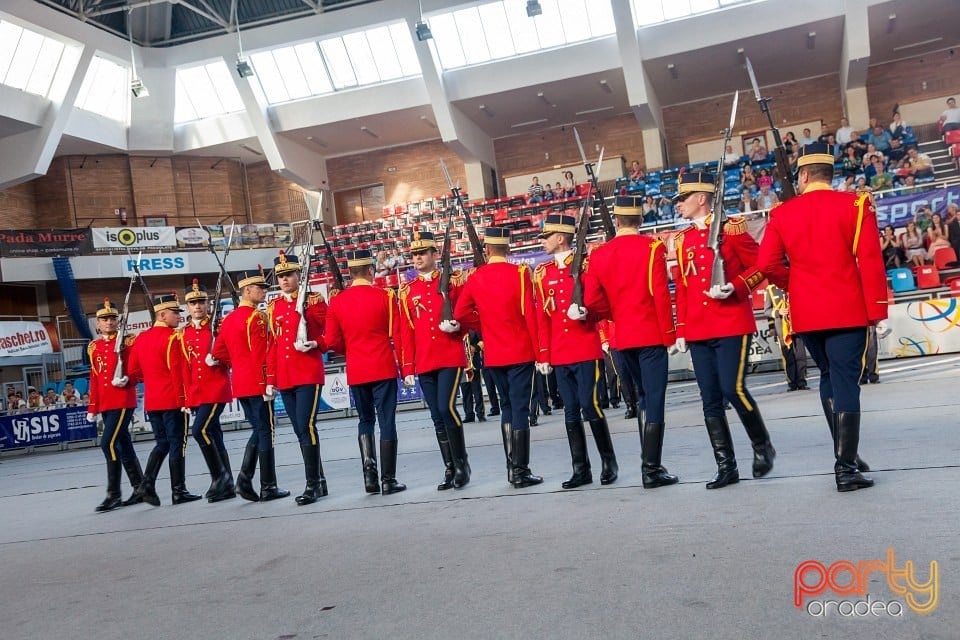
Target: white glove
[(303, 347), (606, 347), (120, 382), (543, 368), (680, 345), (269, 392), (211, 361), (409, 381), (576, 312), (449, 326), (187, 411), (720, 291), (91, 417), (883, 329)]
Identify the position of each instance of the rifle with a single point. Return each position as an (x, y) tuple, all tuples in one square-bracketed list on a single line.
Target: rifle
[(478, 257), (608, 229), (446, 271), (306, 256), (580, 244), (787, 189), (716, 225), (215, 310), (223, 271), (332, 264), (122, 329), (143, 285)]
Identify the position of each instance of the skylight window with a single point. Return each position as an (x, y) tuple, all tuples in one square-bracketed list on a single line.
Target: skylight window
[(106, 90), (356, 59), (28, 60), (205, 91), (654, 11), (498, 30)]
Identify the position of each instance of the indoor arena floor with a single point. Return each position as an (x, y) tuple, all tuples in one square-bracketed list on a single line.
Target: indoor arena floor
[(489, 561)]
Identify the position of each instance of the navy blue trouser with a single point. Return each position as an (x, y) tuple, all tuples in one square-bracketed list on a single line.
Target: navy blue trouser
[(440, 393), (170, 432), (578, 385), (647, 366), (301, 403), (206, 424), (376, 402), (259, 413), (116, 442), (719, 365), (628, 389), (491, 386), (538, 394), (840, 355), (514, 386)]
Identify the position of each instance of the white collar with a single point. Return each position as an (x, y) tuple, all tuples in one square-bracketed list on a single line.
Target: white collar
[(700, 223), (427, 277), (560, 258)]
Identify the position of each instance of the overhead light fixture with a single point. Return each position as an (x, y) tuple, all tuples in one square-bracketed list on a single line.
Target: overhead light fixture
[(589, 111), (811, 39), (533, 8), (369, 132), (425, 120), (247, 147), (423, 32), (891, 22), (317, 141), (528, 123), (137, 88), (917, 44), (244, 70), (606, 86), (742, 55), (487, 111), (672, 68)]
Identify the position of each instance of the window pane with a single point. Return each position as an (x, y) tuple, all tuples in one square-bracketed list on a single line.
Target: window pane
[(699, 6), (497, 30), (183, 110), (269, 77), (601, 20), (222, 81), (200, 89), (291, 73), (9, 39), (384, 55), (471, 35), (549, 26), (522, 27), (648, 11), (312, 64), (361, 58), (676, 9), (575, 20), (407, 55), (24, 59), (338, 62), (47, 62), (445, 36)]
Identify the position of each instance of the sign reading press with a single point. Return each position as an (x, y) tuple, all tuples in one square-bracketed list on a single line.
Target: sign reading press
[(134, 237)]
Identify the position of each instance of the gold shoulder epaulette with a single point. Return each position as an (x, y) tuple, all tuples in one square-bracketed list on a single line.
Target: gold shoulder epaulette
[(540, 272), (457, 278), (129, 339), (272, 302), (91, 347), (735, 226)]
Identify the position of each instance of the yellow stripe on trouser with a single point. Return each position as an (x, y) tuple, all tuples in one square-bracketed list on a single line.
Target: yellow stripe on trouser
[(186, 428), (596, 385), (206, 423), (863, 358), (311, 421), (113, 438), (743, 361), (270, 419), (453, 398)]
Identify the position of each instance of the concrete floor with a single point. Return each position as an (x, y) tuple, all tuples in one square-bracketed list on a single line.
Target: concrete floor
[(493, 562)]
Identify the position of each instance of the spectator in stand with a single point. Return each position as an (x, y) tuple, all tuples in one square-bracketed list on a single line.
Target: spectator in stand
[(637, 174), (569, 186), (34, 401), (858, 144), (85, 399), (806, 138), (50, 398), (547, 193), (953, 226), (535, 191), (845, 132), (748, 180), (938, 236), (790, 143), (757, 153), (667, 211), (847, 184), (380, 270), (730, 158), (880, 139), (909, 185), (767, 197), (873, 165), (912, 245), (558, 192), (922, 164), (391, 261), (923, 219), (882, 179), (896, 153), (831, 140), (873, 124), (890, 248), (747, 203), (904, 169), (898, 128), (851, 162), (69, 397), (950, 118), (862, 185), (872, 151), (764, 179), (650, 211), (12, 404)]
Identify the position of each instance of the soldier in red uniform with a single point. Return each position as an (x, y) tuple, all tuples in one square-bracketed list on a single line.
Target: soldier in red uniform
[(242, 346), (434, 349), (295, 367), (627, 283), (115, 404), (572, 349), (208, 393), (837, 288), (158, 362), (498, 300), (363, 323), (716, 323)]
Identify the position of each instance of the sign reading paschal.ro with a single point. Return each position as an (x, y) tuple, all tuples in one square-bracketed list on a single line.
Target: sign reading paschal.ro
[(134, 237), (25, 339)]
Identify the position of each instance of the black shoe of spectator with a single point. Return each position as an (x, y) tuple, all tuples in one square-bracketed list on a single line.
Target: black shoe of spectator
[(482, 418), (803, 387), (469, 418), (495, 411), (791, 387), (547, 412)]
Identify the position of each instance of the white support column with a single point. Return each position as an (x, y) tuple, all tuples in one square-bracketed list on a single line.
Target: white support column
[(151, 117), (854, 62)]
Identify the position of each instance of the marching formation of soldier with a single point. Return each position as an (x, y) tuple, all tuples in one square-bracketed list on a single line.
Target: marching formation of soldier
[(555, 320)]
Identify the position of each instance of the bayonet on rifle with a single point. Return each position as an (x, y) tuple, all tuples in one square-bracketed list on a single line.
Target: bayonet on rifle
[(122, 328), (784, 171), (717, 277), (475, 244), (608, 229)]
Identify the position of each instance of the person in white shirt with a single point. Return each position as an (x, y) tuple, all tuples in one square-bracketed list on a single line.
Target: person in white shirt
[(806, 138), (845, 132), (950, 118)]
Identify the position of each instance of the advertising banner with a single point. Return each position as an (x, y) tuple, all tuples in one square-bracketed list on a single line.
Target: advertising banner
[(898, 210), (45, 242), (45, 427), (922, 328), (157, 264), (134, 237), (21, 338)]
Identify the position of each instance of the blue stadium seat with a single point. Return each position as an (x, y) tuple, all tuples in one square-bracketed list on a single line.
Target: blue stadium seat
[(901, 280)]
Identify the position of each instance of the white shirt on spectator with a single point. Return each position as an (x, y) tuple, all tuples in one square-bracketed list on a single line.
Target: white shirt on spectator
[(843, 135), (951, 115)]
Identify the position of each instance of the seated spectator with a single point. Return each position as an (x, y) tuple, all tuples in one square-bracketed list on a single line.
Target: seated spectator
[(862, 184), (747, 203), (748, 180), (34, 401), (910, 186), (938, 236), (569, 185), (923, 219), (69, 396), (890, 248), (790, 143), (806, 138), (730, 158), (535, 191), (950, 118), (874, 167), (391, 261), (845, 132), (85, 399), (380, 267), (896, 153), (851, 162), (858, 144), (831, 140), (547, 193), (637, 174), (897, 127), (767, 198), (872, 151), (953, 226), (847, 184), (667, 210), (757, 153), (912, 245), (51, 398), (879, 138), (558, 192), (16, 403), (765, 179), (882, 179), (650, 211), (922, 164)]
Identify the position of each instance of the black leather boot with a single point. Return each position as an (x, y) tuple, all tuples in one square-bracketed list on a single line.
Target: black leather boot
[(388, 468), (221, 482), (506, 430), (231, 490), (443, 440), (848, 439), (601, 435), (461, 464), (178, 482), (323, 479), (268, 477), (520, 446), (578, 455), (722, 442), (135, 476), (763, 451), (147, 490), (827, 404), (368, 458), (311, 469), (651, 443), (113, 499), (245, 478), (631, 412)]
